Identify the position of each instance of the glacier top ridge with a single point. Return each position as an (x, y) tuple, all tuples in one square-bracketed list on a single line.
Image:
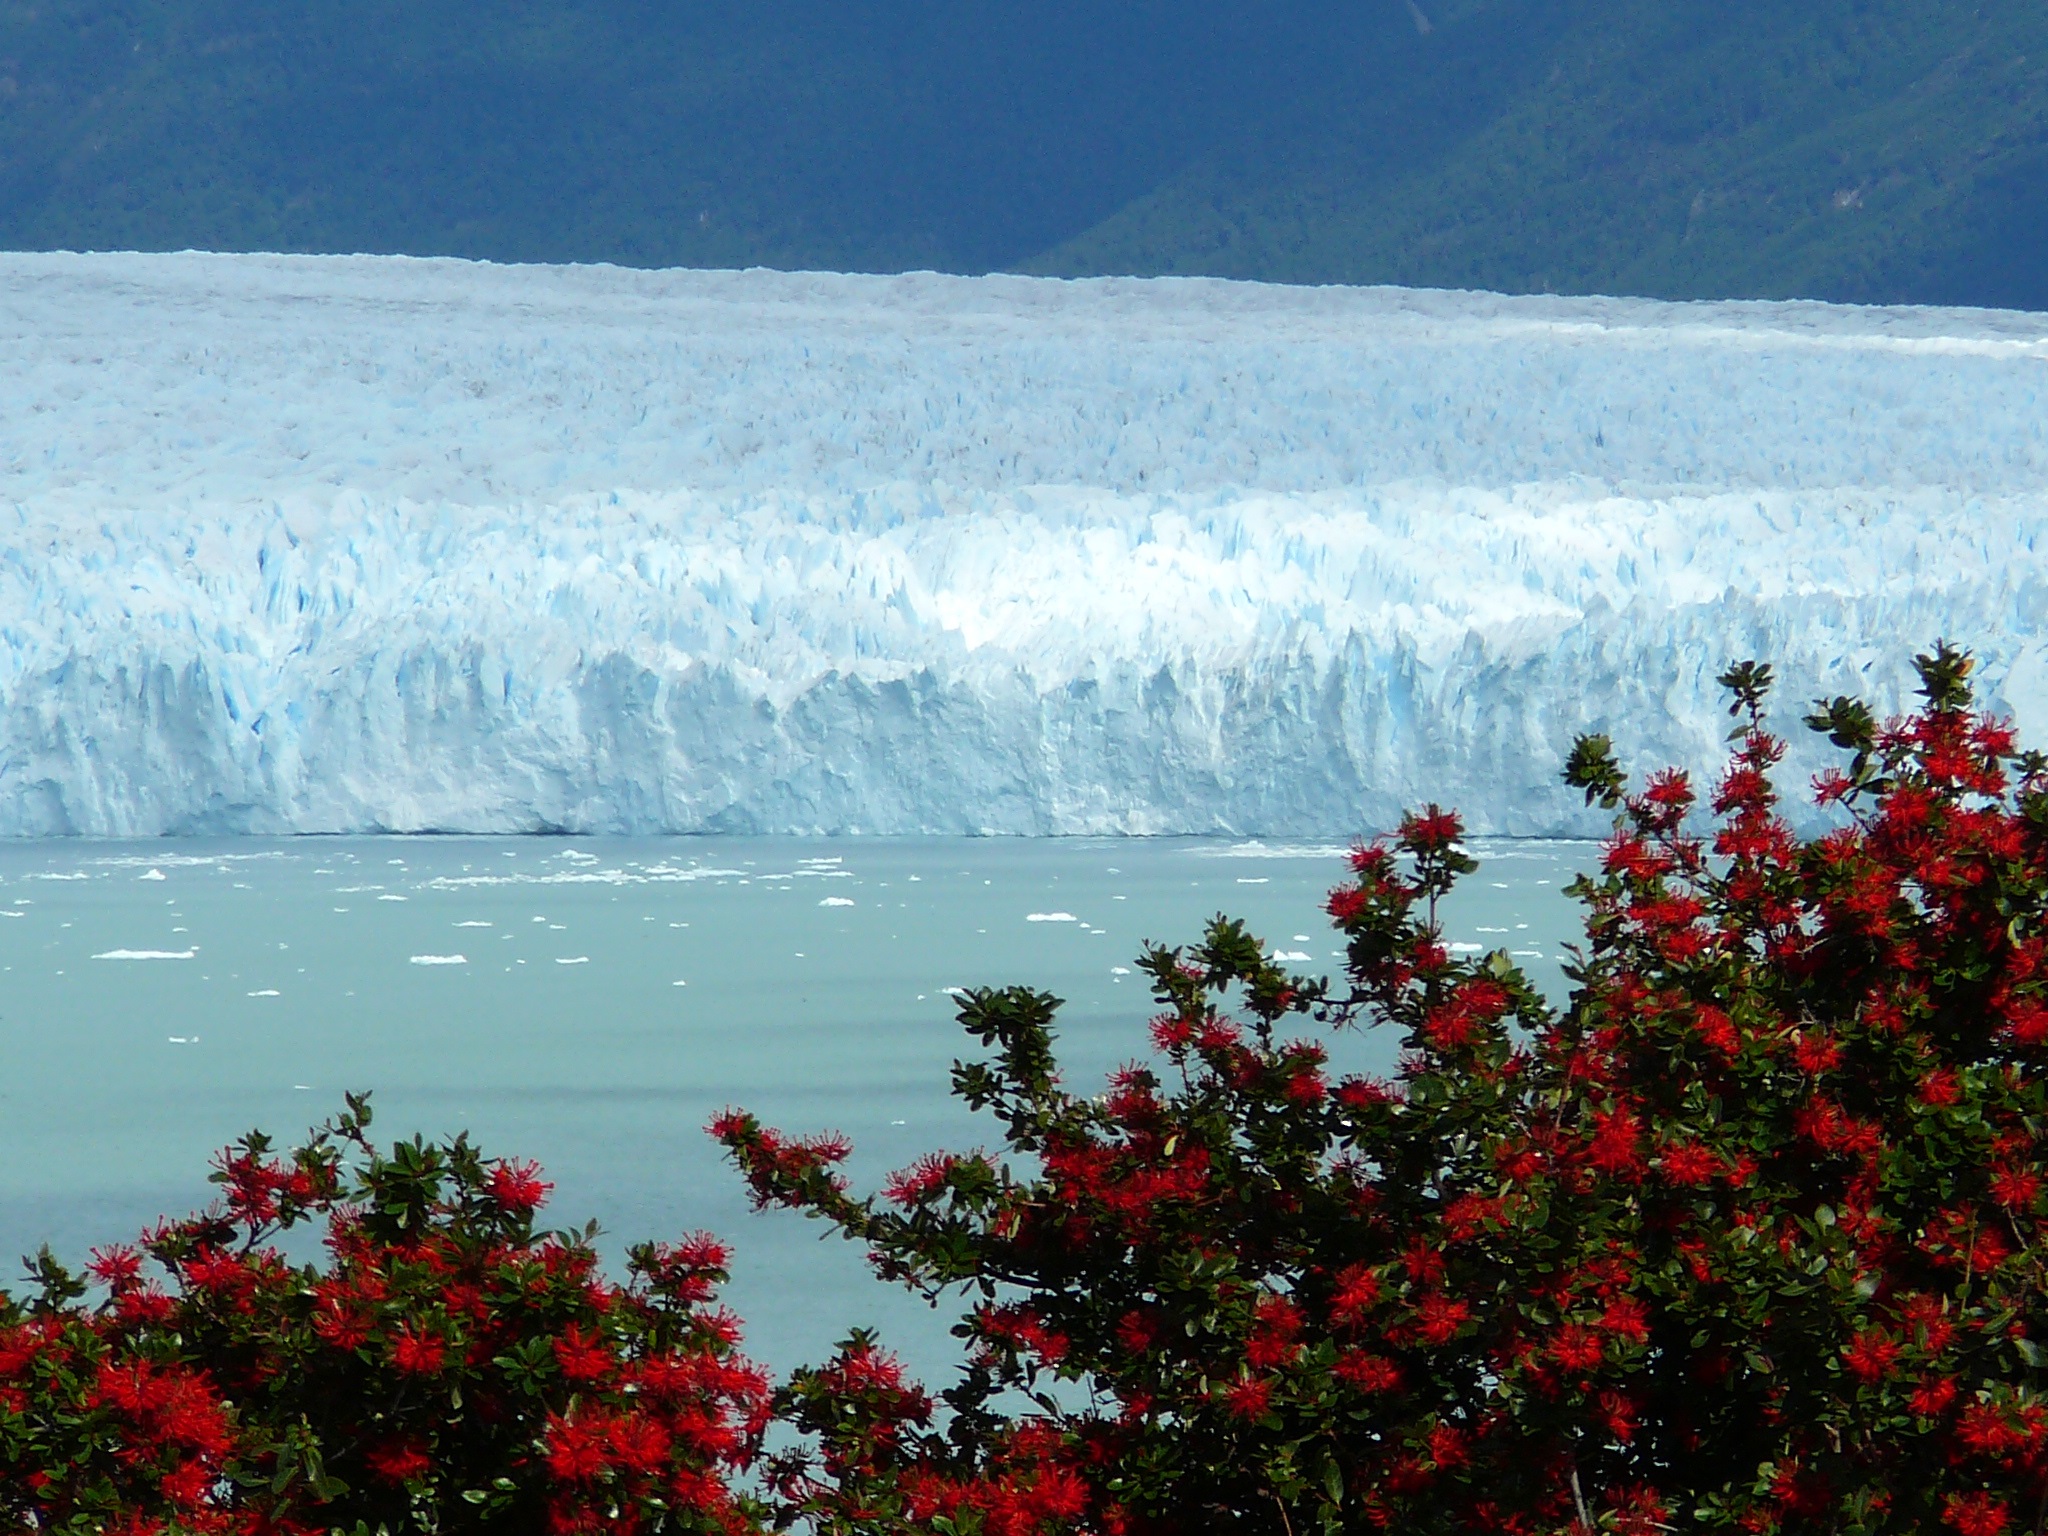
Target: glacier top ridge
[(189, 377)]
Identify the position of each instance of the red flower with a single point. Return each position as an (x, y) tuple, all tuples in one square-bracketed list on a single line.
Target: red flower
[(2017, 1188), (639, 1443), (1628, 1319), (1816, 1054), (518, 1187), (398, 1461), (1576, 1347), (1688, 1164), (1617, 1143), (1250, 1398), (1716, 1030), (1940, 1088), (117, 1268), (1976, 1514), (1439, 1318), (581, 1356), (1670, 788), (919, 1182), (1357, 1290), (1368, 1373), (1434, 829), (1137, 1332), (417, 1352), (1871, 1356), (1171, 1032), (1448, 1447), (1931, 1399), (576, 1449), (1365, 1093), (1345, 903)]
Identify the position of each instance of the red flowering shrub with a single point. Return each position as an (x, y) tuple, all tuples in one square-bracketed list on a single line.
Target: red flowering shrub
[(94, 1436), (1749, 1237), (446, 1368)]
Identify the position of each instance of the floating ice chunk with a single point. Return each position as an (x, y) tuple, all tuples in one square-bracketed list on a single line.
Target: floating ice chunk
[(1050, 917), (572, 960), (440, 959), (836, 901), (391, 898), (152, 874), (1466, 949), (1119, 970), (679, 983), (1297, 956), (146, 954), (1254, 880), (473, 923), (266, 992)]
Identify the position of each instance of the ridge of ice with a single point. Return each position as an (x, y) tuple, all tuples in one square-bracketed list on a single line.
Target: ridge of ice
[(371, 543)]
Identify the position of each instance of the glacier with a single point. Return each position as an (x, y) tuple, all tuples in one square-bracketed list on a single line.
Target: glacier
[(334, 544)]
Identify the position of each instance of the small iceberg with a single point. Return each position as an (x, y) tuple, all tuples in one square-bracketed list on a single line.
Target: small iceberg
[(572, 960), (1050, 917), (836, 901), (440, 959), (152, 874), (146, 954)]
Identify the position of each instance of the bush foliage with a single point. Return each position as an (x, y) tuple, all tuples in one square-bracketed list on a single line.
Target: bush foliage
[(1749, 1236)]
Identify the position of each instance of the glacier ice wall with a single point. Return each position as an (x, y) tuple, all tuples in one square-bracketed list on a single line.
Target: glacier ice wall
[(327, 544)]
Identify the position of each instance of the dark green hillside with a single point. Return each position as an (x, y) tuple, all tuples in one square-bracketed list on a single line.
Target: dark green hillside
[(832, 133), (1871, 149)]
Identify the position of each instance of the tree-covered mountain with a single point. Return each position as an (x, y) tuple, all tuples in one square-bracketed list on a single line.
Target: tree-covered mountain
[(1863, 149)]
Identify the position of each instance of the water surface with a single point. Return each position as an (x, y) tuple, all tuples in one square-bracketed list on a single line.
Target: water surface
[(591, 1003)]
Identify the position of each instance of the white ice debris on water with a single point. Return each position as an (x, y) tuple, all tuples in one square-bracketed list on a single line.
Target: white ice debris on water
[(339, 544)]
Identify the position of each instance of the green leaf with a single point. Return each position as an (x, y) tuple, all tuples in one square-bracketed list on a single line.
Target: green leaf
[(1333, 1481)]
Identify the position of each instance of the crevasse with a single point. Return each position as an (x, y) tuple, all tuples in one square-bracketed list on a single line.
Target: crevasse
[(338, 544)]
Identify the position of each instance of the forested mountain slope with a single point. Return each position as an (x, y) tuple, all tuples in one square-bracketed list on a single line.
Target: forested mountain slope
[(1866, 149)]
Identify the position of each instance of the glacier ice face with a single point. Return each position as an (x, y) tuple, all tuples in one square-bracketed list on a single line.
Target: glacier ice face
[(330, 544)]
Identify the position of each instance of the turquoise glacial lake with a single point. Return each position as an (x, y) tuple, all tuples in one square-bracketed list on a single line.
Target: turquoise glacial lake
[(592, 1003)]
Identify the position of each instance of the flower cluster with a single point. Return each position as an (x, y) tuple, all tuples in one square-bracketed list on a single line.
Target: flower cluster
[(447, 1366), (1748, 1237)]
